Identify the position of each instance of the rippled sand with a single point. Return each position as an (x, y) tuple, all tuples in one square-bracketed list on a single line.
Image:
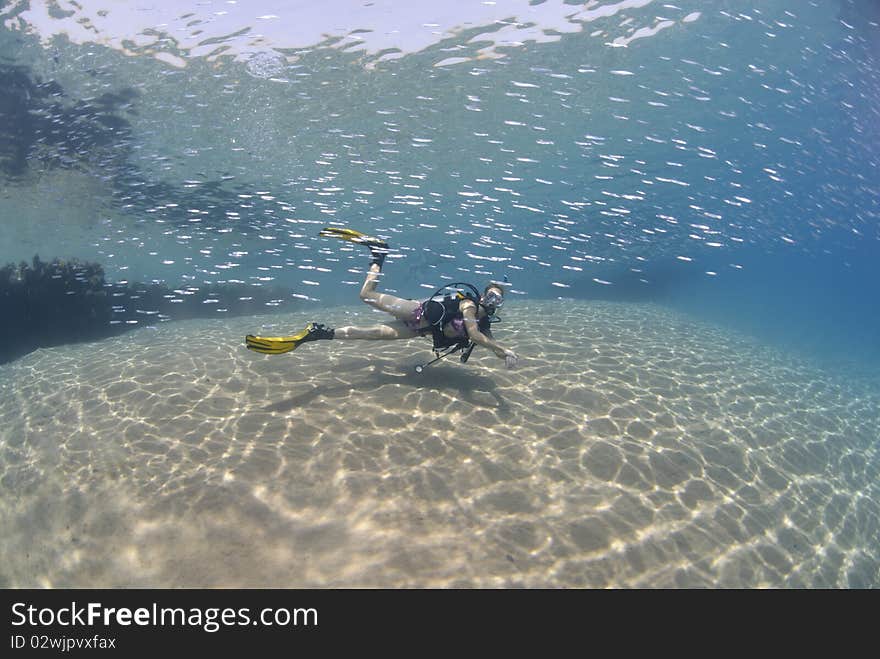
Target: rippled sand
[(631, 448)]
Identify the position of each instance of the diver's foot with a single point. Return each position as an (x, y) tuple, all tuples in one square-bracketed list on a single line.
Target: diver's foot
[(316, 332), (378, 249), (377, 254)]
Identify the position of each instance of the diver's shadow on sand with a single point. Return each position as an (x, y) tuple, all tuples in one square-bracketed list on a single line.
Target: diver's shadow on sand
[(465, 383)]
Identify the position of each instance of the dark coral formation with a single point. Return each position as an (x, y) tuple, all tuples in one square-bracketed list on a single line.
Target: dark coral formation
[(52, 303)]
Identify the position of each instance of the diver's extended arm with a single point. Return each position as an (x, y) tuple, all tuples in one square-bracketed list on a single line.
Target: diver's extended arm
[(485, 339)]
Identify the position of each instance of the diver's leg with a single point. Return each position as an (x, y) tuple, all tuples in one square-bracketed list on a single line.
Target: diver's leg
[(376, 333), (276, 345), (399, 307), (368, 290)]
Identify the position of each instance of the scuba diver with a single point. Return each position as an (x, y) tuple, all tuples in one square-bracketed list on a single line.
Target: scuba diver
[(457, 321)]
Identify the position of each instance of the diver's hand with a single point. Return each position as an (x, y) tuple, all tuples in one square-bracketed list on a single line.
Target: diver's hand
[(509, 356)]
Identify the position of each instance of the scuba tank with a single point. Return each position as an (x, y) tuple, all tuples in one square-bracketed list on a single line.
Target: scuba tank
[(439, 310)]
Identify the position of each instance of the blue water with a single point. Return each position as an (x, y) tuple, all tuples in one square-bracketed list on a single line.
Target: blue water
[(739, 141)]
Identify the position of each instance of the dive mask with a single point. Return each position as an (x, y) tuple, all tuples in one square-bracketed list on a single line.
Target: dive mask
[(493, 299)]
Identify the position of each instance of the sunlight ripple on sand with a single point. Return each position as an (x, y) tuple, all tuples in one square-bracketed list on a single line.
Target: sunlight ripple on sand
[(632, 448)]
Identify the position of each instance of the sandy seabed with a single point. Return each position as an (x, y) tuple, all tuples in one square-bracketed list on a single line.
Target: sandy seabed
[(632, 447)]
